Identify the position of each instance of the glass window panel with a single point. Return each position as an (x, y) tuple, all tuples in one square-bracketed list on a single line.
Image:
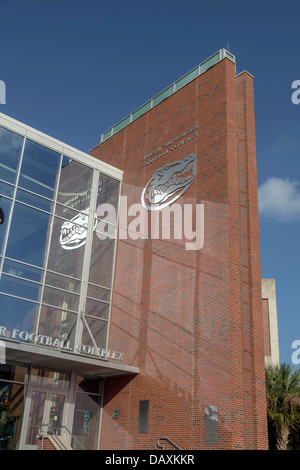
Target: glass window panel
[(60, 298), (39, 170), (10, 153), (163, 95), (57, 402), (22, 270), (104, 228), (187, 78), (50, 378), (73, 218), (108, 191), (11, 411), (75, 185), (33, 200), (101, 267), (97, 309), (6, 189), (67, 248), (57, 323), (106, 134), (17, 314), (72, 235), (18, 287), (140, 111), (99, 293), (86, 426), (99, 331), (65, 212), (28, 235), (209, 63), (121, 125), (6, 206), (15, 372), (63, 282), (35, 420)]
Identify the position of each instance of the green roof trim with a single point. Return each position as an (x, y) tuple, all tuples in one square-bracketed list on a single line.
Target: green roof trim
[(203, 67)]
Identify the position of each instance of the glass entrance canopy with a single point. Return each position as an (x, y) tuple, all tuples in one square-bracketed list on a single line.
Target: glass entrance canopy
[(56, 268)]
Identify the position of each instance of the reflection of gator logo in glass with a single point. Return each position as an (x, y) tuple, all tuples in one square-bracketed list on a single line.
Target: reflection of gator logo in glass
[(168, 183), (72, 235)]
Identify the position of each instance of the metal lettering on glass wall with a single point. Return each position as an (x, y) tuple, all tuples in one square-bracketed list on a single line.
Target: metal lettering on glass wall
[(73, 234), (48, 198), (168, 183)]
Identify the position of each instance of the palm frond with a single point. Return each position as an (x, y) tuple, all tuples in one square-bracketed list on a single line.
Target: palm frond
[(283, 398)]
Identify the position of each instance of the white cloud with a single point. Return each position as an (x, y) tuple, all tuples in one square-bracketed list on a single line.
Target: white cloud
[(280, 199)]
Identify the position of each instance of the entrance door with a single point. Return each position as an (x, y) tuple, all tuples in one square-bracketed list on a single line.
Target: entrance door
[(42, 407)]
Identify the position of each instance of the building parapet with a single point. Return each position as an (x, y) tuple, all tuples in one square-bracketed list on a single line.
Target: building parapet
[(170, 90)]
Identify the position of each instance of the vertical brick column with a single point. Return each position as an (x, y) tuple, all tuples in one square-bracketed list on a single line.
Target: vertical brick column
[(254, 365), (237, 417)]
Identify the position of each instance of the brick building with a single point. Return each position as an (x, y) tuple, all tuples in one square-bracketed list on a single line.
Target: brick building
[(130, 285), (189, 319)]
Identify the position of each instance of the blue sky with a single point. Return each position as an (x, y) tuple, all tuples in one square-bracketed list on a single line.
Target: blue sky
[(73, 68)]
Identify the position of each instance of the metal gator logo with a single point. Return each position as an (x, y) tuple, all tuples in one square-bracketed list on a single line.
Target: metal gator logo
[(168, 183), (73, 234)]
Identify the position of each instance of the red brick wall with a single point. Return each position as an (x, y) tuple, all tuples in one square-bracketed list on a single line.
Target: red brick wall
[(191, 320), (45, 444)]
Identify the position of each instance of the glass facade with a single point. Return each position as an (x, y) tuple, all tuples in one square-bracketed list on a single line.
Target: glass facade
[(57, 250), (13, 387), (33, 399), (56, 262)]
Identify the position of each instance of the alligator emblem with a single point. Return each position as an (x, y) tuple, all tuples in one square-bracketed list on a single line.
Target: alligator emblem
[(73, 233), (168, 183)]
